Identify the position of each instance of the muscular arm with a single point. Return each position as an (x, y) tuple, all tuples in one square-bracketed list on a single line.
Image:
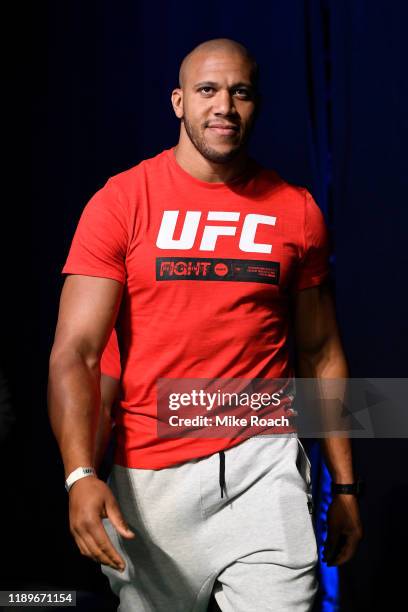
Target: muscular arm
[(320, 355), (88, 310)]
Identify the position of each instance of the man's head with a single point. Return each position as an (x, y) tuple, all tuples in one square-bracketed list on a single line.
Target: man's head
[(217, 98)]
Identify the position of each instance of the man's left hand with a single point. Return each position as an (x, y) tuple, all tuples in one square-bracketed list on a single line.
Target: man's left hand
[(344, 530)]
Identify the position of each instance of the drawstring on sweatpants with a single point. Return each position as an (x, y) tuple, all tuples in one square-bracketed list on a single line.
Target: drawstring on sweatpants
[(222, 471)]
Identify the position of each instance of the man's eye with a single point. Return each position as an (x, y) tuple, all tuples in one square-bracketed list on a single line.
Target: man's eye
[(242, 92)]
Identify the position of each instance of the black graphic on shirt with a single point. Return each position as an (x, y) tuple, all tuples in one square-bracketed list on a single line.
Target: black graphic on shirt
[(219, 269)]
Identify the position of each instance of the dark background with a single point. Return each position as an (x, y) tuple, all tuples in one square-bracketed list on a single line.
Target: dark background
[(333, 78)]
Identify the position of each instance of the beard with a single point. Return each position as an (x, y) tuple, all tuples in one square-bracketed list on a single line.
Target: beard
[(206, 150)]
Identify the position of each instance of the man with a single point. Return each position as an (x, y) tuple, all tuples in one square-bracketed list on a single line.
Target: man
[(209, 254)]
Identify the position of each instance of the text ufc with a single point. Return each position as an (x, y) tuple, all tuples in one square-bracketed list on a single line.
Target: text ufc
[(210, 233)]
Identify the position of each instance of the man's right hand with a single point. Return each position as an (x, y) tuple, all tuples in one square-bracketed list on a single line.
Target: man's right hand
[(91, 500)]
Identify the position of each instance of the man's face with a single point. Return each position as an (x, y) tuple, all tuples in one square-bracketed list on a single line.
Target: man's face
[(218, 104)]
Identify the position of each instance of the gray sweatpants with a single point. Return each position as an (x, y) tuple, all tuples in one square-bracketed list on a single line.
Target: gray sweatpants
[(255, 545)]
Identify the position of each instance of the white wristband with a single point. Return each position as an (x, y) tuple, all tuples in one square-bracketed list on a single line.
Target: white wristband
[(80, 472)]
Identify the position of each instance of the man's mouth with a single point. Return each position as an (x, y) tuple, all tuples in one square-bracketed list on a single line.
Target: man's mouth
[(224, 130)]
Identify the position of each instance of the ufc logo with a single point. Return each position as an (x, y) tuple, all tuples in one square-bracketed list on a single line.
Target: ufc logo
[(165, 238)]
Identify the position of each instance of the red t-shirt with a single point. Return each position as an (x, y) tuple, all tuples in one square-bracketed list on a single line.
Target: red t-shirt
[(208, 270), (110, 360)]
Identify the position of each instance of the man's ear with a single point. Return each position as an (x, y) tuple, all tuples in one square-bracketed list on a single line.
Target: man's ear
[(177, 102)]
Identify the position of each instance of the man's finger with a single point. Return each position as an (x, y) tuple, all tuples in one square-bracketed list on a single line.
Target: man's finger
[(337, 549), (347, 551), (116, 518), (86, 549), (97, 541), (83, 547), (103, 550), (330, 548)]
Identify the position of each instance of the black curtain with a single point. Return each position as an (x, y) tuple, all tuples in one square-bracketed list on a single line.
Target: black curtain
[(370, 180)]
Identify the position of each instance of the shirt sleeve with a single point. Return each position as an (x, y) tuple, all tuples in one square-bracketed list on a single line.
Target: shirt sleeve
[(313, 267), (110, 360), (100, 242)]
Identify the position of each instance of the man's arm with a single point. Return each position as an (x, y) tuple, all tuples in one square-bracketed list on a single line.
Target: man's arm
[(320, 355), (88, 309)]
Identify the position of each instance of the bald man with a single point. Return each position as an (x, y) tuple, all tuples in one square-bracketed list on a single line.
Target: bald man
[(206, 262)]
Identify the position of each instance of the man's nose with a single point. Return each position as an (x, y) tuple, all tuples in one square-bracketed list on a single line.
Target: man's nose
[(224, 103)]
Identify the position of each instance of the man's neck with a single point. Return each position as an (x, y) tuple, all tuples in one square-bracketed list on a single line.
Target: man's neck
[(201, 168)]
